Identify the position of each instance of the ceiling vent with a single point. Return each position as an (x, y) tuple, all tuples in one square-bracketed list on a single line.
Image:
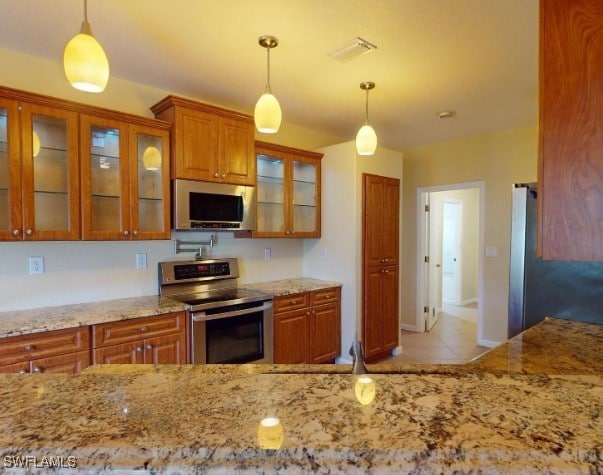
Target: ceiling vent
[(351, 49)]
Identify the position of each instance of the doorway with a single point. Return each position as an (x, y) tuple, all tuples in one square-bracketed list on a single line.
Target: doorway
[(449, 252)]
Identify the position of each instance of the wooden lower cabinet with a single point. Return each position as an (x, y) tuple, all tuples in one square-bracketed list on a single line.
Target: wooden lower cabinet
[(156, 340), (57, 351), (312, 332)]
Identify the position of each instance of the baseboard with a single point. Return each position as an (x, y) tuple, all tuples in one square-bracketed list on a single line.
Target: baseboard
[(488, 343), (468, 301), (343, 360), (397, 350), (410, 328)]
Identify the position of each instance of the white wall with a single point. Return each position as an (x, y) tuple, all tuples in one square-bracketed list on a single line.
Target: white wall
[(341, 235)]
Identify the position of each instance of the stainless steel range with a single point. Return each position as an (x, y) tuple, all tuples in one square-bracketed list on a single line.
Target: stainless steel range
[(228, 324)]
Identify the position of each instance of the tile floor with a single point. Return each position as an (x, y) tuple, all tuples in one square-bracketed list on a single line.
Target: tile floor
[(452, 340)]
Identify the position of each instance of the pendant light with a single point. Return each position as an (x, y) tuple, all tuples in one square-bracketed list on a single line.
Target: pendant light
[(366, 138), (267, 112), (85, 62)]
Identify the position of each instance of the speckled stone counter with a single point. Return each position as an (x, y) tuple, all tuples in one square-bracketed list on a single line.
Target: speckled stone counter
[(21, 322), (187, 419), (279, 288)]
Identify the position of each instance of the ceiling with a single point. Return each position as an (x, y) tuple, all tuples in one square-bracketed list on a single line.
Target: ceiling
[(477, 57)]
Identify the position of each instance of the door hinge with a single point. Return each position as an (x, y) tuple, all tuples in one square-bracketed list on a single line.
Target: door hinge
[(433, 311), (425, 309), (427, 208), (426, 259)]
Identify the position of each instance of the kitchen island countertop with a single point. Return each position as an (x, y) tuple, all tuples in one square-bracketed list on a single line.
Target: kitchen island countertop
[(430, 419)]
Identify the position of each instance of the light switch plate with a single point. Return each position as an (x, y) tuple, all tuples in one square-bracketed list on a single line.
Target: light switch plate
[(141, 260), (267, 253), (36, 265)]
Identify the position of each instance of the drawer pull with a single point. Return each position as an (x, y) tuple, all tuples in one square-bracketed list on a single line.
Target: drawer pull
[(138, 349), (28, 348), (37, 370), (22, 371), (143, 329), (149, 347), (293, 302)]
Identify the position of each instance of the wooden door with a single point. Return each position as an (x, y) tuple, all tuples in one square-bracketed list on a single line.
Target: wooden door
[(105, 179), (125, 353), (390, 215), (570, 171), (291, 337), (149, 182), (237, 156), (70, 363), (324, 333), (373, 219), (169, 349), (389, 308), (11, 221), (196, 135)]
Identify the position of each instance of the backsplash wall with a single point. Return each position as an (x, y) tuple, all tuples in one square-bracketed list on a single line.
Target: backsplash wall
[(91, 271)]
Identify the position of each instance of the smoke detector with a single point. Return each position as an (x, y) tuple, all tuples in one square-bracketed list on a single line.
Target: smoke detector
[(449, 114), (355, 47)]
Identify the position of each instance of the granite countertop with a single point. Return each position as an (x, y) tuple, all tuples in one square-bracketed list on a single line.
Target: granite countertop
[(488, 416), (278, 288), (22, 322)]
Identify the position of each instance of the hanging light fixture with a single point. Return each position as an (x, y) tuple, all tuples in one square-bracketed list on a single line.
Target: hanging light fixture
[(267, 113), (366, 138), (85, 62)]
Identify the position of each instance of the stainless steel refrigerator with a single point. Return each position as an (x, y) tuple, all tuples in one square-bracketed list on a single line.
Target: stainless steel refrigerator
[(538, 288)]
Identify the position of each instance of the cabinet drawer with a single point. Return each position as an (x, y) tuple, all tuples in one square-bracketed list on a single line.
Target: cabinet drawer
[(40, 345), (291, 302), (318, 297), (136, 329), (71, 363)]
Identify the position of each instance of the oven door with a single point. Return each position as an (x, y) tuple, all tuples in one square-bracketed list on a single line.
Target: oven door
[(240, 333)]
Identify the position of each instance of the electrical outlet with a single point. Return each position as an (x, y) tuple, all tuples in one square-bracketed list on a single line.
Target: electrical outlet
[(141, 260), (267, 253), (324, 254), (36, 265)]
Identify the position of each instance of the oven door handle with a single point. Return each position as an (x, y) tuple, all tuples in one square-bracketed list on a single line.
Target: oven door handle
[(202, 317)]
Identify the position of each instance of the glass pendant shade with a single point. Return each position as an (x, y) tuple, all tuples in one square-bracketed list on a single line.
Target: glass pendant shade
[(366, 140), (86, 64), (267, 114), (151, 158), (35, 144)]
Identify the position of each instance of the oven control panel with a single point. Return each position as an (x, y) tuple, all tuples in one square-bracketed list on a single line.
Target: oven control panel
[(194, 271)]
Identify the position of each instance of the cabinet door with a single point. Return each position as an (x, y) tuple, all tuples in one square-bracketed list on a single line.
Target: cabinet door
[(50, 173), (126, 353), (149, 183), (291, 337), (305, 198), (196, 145), (70, 363), (373, 224), (22, 367), (324, 331), (390, 214), (10, 172), (170, 349), (105, 179), (237, 156), (389, 311), (272, 195), (372, 312), (570, 171)]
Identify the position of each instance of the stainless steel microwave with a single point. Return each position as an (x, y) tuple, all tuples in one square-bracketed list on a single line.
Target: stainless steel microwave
[(200, 205)]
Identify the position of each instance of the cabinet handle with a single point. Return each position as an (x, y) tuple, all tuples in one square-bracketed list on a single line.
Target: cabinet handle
[(386, 271), (28, 348), (143, 329), (223, 175), (22, 372), (29, 232), (37, 370), (386, 260), (293, 302), (135, 232), (138, 349), (149, 347), (15, 232), (126, 233), (216, 175), (313, 312), (308, 312)]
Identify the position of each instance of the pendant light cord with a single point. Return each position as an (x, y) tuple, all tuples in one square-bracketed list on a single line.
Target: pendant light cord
[(366, 107), (86, 11), (268, 88)]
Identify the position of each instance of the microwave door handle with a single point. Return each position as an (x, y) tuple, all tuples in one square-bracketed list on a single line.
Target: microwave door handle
[(202, 317)]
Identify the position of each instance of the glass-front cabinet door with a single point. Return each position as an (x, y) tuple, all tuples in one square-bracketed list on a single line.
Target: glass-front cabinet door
[(288, 192), (10, 172), (105, 178), (149, 183)]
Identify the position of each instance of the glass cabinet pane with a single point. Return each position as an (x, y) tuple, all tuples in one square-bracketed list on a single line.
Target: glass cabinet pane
[(50, 177), (304, 197), (4, 202), (105, 179), (150, 200), (270, 194)]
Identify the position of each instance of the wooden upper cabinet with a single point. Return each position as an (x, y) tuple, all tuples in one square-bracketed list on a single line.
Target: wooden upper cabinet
[(570, 172), (209, 143), (39, 176), (288, 192), (125, 180), (381, 223)]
